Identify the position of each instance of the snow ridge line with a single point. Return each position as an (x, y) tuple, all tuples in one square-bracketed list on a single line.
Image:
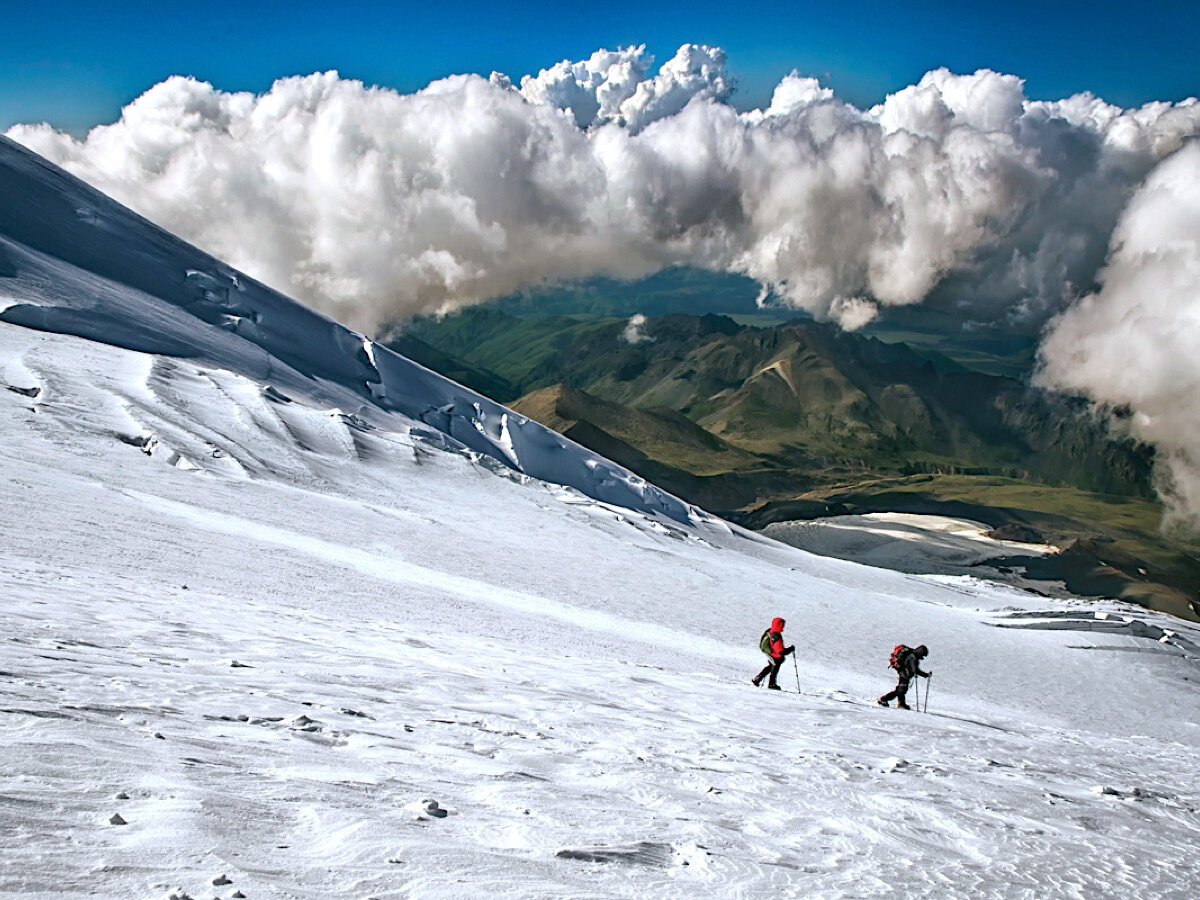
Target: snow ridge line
[(414, 574)]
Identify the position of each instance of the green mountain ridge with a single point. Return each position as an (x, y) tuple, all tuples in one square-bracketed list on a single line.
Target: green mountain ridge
[(802, 394), (801, 420)]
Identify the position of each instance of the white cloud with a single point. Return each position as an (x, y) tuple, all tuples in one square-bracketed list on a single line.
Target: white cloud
[(1133, 344), (617, 87), (592, 90), (368, 204), (796, 92), (635, 330), (852, 313), (941, 101), (373, 205)]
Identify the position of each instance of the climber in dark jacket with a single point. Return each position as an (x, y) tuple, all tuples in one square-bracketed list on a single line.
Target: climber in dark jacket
[(771, 644), (908, 666)]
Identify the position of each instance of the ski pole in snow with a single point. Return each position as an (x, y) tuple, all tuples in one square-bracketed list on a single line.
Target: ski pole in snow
[(928, 679), (797, 668), (917, 696)]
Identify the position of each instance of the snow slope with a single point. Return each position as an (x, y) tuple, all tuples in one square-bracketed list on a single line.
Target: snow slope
[(268, 607), (90, 267)]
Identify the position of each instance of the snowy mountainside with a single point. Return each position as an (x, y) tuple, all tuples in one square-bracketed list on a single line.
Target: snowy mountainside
[(261, 631), (82, 264)]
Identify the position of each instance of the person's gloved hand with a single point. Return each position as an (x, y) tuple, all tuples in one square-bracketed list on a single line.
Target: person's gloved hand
[(788, 650)]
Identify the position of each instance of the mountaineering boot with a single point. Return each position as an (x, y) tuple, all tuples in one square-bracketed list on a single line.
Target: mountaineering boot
[(903, 706), (755, 682), (774, 687), (883, 702)]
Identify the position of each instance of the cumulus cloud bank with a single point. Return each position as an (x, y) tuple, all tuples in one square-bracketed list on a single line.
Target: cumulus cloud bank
[(1135, 344), (374, 205), (616, 87)]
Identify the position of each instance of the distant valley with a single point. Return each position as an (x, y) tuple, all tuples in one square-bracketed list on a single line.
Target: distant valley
[(762, 420)]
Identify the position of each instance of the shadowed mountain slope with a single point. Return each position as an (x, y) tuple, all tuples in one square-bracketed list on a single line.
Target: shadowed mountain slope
[(807, 396)]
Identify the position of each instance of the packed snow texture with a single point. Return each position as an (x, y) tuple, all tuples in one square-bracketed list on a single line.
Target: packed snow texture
[(373, 205), (264, 633)]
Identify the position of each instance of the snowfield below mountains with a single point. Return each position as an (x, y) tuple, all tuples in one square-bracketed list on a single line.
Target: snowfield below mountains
[(903, 541), (264, 633), (399, 673)]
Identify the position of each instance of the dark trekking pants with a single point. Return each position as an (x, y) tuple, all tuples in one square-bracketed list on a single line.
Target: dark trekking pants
[(772, 669), (899, 693)]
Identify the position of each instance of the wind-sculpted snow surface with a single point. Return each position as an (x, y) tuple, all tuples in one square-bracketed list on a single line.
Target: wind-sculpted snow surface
[(254, 645), (81, 264)]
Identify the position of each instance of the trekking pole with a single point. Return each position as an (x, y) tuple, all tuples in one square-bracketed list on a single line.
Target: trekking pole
[(917, 697), (797, 668), (928, 679)]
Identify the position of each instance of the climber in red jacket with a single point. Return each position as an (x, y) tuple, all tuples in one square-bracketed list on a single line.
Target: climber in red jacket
[(771, 643)]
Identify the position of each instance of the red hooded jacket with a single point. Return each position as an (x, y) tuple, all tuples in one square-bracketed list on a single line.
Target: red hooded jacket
[(776, 638)]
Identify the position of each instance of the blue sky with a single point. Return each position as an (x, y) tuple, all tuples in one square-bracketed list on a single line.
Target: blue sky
[(76, 64)]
